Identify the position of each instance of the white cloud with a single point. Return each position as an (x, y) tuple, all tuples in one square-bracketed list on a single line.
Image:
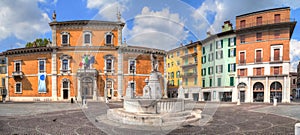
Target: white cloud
[(157, 29), (294, 54), (22, 19), (107, 8)]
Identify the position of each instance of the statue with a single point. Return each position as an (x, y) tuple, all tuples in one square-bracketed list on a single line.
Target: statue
[(54, 16), (154, 62)]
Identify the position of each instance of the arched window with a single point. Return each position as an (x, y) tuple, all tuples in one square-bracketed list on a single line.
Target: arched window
[(109, 38), (109, 63), (87, 38), (258, 86), (276, 86), (65, 63), (65, 89)]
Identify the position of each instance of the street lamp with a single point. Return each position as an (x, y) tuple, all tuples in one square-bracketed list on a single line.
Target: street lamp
[(238, 102)]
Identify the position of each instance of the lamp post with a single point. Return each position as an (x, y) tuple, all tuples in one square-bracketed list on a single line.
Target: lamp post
[(238, 101)]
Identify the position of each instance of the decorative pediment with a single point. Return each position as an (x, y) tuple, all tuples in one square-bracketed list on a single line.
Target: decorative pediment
[(65, 56), (109, 56)]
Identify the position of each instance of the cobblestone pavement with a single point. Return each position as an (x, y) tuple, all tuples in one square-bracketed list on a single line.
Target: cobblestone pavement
[(228, 119)]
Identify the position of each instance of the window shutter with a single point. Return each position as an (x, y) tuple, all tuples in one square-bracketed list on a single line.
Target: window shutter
[(228, 67), (228, 41), (234, 65), (228, 53), (221, 54), (202, 72), (234, 41), (221, 43), (221, 68), (216, 69), (216, 44), (209, 71), (234, 52)]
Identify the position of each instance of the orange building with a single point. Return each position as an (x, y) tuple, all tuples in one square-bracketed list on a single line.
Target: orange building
[(85, 60), (263, 62)]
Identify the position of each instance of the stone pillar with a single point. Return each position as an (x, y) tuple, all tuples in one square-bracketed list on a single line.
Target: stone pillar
[(54, 76), (78, 90), (165, 78), (267, 92), (53, 35), (288, 89), (95, 89), (249, 91), (284, 91), (120, 74)]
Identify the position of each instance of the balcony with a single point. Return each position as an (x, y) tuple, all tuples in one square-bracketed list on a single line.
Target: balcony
[(267, 22), (276, 59), (242, 62), (258, 60), (17, 74), (189, 55), (187, 75), (190, 65)]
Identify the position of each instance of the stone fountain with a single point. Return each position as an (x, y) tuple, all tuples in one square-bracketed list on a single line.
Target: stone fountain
[(151, 109)]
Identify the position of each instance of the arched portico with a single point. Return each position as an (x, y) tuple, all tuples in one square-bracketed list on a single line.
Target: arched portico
[(276, 91), (258, 92)]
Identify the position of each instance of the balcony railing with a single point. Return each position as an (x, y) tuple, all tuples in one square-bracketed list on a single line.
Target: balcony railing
[(276, 59), (192, 74), (242, 62), (190, 64), (247, 25), (17, 74), (258, 60)]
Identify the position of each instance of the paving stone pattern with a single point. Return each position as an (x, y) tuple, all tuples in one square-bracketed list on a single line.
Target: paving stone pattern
[(228, 119)]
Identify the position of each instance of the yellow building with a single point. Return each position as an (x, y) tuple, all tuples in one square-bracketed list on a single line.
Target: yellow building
[(174, 69), (2, 74)]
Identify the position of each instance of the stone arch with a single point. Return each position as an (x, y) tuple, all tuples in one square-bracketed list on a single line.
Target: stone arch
[(276, 86)]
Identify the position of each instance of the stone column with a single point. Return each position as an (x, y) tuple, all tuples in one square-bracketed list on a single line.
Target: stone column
[(267, 91), (120, 74), (249, 91), (78, 89), (95, 89), (54, 76), (165, 79), (284, 90), (288, 89), (53, 35)]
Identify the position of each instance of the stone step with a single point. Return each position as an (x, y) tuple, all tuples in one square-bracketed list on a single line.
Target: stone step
[(181, 122), (178, 118), (177, 114)]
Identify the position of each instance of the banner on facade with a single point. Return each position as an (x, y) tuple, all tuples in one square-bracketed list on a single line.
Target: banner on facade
[(42, 83)]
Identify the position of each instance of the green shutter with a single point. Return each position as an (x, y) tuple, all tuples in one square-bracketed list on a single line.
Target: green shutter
[(234, 41), (228, 53), (234, 52), (228, 41), (209, 70), (234, 67), (228, 67), (221, 43), (216, 45)]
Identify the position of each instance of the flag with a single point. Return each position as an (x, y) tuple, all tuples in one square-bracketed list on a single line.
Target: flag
[(86, 60), (80, 64), (92, 60), (42, 82)]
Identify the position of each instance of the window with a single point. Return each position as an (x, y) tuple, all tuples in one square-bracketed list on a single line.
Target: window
[(172, 64), (65, 64), (203, 59), (277, 18), (276, 70), (258, 54), (242, 72), (168, 64), (210, 70), (219, 44), (132, 66), (258, 71), (203, 50), (232, 41), (109, 38), (186, 61), (109, 63), (294, 81), (210, 47), (219, 82), (195, 81), (259, 20), (242, 39), (65, 37), (219, 69), (178, 74), (18, 66), (18, 87), (186, 51), (132, 85), (87, 38), (277, 34), (203, 72), (171, 55), (258, 36), (232, 52), (186, 81), (3, 69), (219, 54), (195, 59), (203, 83), (210, 82), (242, 58), (211, 57), (195, 49), (231, 81), (178, 63), (231, 67), (3, 82), (276, 54), (243, 23), (178, 53), (65, 89), (172, 74), (42, 64)]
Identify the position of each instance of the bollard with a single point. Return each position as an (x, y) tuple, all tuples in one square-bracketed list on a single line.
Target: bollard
[(275, 102), (297, 129), (72, 101)]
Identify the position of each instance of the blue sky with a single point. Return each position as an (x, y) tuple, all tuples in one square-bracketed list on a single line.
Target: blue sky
[(152, 23)]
